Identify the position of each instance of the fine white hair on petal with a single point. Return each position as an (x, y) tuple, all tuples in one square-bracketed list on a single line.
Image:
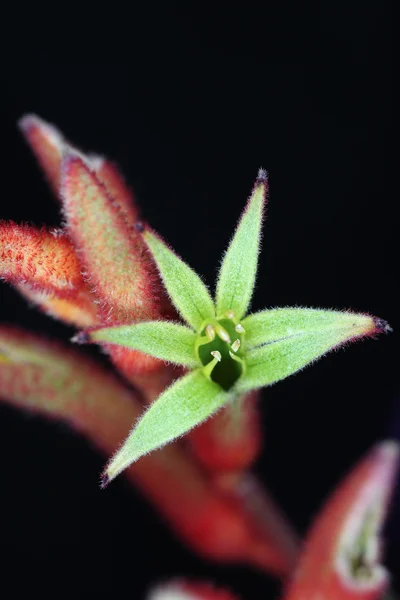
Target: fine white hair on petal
[(96, 161), (51, 131)]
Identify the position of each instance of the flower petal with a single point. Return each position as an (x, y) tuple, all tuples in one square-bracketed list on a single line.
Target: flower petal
[(284, 356), (239, 266), (109, 174), (78, 309), (44, 259), (187, 291), (185, 404), (165, 340), (48, 145), (279, 323), (121, 273)]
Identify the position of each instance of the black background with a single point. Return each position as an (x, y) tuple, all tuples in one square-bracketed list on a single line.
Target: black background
[(191, 103)]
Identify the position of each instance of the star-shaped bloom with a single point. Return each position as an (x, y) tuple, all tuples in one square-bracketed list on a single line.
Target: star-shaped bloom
[(226, 351)]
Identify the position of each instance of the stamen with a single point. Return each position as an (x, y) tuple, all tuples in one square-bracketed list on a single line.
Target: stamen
[(236, 345), (208, 369), (222, 333), (230, 315), (210, 333), (239, 328)]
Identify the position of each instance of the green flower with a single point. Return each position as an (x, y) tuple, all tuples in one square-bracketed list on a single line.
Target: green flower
[(226, 352)]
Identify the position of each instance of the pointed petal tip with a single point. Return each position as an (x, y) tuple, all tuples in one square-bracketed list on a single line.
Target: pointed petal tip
[(381, 326), (30, 121), (139, 226), (81, 338), (389, 447), (105, 480), (27, 121), (262, 175), (387, 454)]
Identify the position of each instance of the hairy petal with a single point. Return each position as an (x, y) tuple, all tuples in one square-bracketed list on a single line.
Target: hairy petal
[(182, 406), (125, 296), (45, 260), (113, 254), (165, 340), (281, 357), (109, 174), (239, 266), (78, 309), (48, 145), (187, 291), (279, 323)]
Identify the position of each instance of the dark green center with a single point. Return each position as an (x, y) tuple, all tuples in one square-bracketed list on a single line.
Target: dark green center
[(228, 370)]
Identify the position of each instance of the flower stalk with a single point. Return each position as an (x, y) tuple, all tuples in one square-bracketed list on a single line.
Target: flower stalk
[(61, 384)]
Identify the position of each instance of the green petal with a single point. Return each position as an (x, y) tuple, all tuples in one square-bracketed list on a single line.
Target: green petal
[(162, 339), (185, 404), (274, 324), (294, 338), (186, 289), (239, 266)]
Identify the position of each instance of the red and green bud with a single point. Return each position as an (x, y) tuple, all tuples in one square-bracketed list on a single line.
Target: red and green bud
[(43, 259), (342, 556), (48, 145)]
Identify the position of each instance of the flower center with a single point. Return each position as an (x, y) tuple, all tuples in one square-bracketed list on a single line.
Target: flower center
[(219, 347)]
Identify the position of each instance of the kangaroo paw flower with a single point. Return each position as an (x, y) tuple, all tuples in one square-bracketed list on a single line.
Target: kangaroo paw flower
[(342, 554), (228, 352), (111, 253), (121, 270), (50, 147)]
